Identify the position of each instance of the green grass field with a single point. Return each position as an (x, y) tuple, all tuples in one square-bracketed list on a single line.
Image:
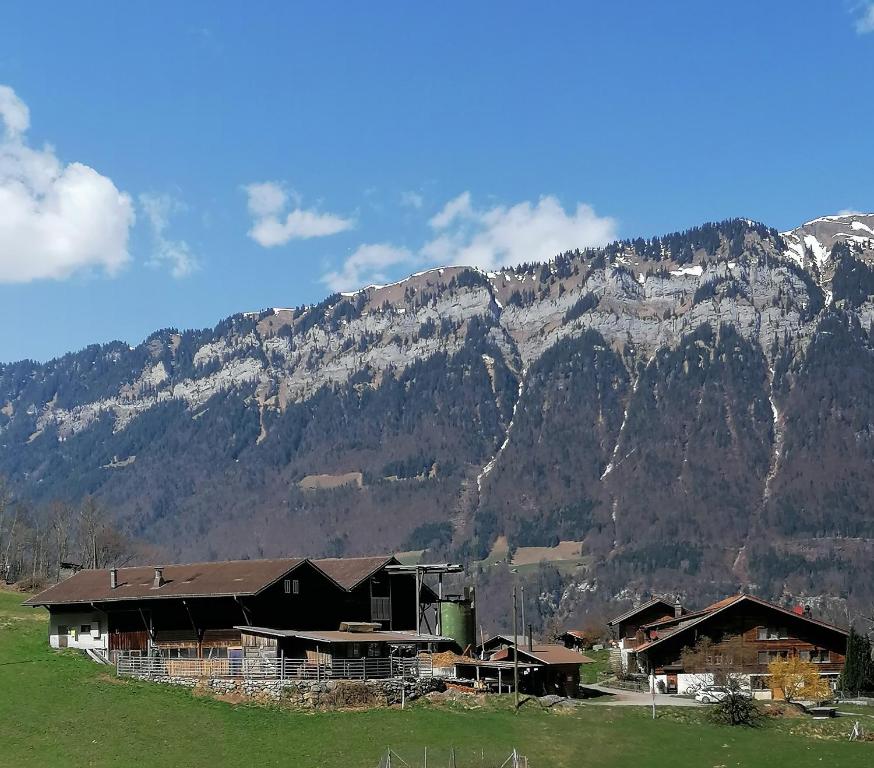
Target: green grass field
[(61, 709), (589, 673)]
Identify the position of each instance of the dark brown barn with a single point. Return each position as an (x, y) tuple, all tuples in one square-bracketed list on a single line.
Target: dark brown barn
[(195, 610)]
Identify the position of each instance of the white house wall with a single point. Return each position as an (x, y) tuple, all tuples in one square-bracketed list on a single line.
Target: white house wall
[(75, 621)]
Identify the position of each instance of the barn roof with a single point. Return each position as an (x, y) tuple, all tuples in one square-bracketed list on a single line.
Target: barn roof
[(216, 579), (233, 577), (349, 572)]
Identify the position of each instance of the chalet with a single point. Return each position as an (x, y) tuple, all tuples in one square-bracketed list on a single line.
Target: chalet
[(765, 631), (627, 626), (203, 610)]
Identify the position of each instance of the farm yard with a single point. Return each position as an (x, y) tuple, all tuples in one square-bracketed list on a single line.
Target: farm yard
[(61, 708)]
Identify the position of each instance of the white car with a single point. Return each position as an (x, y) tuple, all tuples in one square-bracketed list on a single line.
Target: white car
[(712, 693)]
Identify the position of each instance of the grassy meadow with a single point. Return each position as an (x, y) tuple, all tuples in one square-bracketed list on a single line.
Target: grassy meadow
[(58, 708)]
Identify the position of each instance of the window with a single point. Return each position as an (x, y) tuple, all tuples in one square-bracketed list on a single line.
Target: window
[(758, 682), (291, 586), (804, 655), (287, 586), (763, 657), (86, 629), (373, 649), (356, 651), (772, 633)]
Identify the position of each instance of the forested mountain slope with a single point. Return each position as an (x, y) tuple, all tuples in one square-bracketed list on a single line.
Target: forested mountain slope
[(696, 409)]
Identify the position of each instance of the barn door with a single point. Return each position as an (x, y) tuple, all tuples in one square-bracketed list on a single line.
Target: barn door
[(63, 634)]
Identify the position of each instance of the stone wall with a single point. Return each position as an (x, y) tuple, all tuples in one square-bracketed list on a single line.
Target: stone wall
[(313, 694)]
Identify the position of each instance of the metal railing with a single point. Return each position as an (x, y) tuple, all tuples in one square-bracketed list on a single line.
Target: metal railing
[(274, 669)]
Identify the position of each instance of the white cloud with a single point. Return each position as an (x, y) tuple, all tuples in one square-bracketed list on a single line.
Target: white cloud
[(267, 201), (502, 235), (14, 112), (487, 238), (266, 198), (173, 253), (367, 266), (865, 20), (412, 199), (458, 207), (55, 219)]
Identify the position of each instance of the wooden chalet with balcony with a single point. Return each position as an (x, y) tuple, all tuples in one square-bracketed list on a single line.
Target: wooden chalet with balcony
[(766, 632)]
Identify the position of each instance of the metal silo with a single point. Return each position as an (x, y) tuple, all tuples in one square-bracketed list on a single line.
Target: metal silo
[(458, 618)]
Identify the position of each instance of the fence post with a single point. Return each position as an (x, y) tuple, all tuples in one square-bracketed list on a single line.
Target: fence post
[(281, 666), (364, 668)]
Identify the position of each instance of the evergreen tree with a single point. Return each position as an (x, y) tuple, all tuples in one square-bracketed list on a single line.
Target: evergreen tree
[(858, 672)]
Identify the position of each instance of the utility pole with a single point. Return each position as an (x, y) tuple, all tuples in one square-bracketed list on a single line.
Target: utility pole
[(515, 654), (522, 588)]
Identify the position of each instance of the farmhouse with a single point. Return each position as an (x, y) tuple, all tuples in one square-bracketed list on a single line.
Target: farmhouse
[(765, 632), (627, 626), (204, 610)]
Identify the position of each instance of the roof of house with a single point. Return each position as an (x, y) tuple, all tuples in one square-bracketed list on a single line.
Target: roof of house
[(233, 577), (551, 653), (669, 628), (337, 636), (639, 608), (499, 639), (349, 572), (546, 653)]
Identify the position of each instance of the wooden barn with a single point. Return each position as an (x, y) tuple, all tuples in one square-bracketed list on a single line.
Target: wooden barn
[(197, 610)]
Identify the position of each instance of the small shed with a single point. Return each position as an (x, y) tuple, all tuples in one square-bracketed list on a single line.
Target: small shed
[(557, 669)]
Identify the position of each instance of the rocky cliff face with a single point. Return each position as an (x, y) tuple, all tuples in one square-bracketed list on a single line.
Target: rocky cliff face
[(693, 408)]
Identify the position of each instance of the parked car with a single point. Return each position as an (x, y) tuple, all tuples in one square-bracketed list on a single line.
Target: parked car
[(709, 694)]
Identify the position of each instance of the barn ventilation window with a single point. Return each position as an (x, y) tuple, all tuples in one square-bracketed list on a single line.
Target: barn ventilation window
[(291, 586)]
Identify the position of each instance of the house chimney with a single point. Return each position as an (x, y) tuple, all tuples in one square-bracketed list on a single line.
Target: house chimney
[(530, 638), (113, 578), (678, 608), (159, 578)]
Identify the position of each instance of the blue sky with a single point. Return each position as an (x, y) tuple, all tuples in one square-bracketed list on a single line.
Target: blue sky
[(168, 164)]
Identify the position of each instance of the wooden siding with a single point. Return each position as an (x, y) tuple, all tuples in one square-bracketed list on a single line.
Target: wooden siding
[(128, 641), (744, 620)]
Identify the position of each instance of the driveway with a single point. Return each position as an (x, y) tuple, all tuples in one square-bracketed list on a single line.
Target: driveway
[(613, 697)]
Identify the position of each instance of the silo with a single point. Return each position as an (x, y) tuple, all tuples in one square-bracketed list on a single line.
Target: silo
[(458, 618)]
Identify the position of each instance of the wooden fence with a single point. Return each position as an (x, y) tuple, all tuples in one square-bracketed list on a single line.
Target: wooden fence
[(275, 669)]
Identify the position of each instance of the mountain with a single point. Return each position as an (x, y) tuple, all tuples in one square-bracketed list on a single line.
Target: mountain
[(695, 409)]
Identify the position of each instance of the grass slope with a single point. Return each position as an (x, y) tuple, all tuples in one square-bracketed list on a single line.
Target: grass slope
[(61, 709)]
